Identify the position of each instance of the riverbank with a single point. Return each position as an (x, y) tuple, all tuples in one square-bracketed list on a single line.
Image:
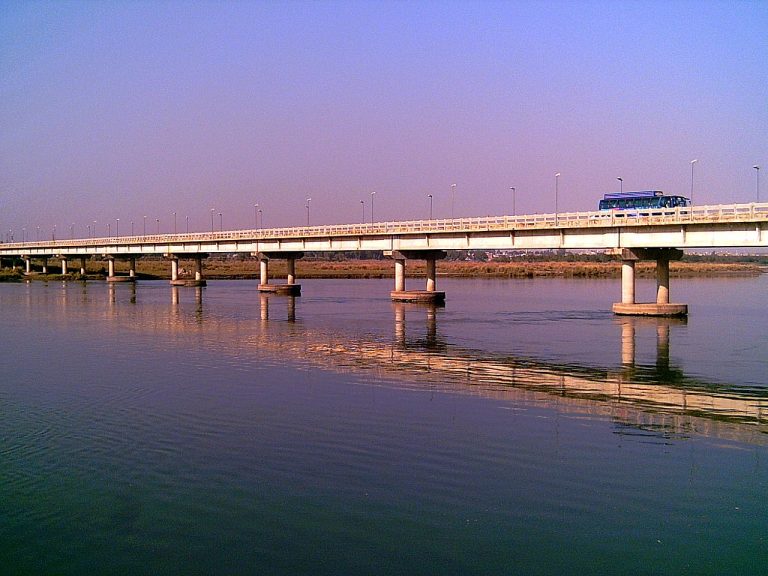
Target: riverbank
[(215, 268)]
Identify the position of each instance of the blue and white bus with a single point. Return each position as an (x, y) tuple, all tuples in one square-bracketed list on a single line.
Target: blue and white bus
[(642, 203)]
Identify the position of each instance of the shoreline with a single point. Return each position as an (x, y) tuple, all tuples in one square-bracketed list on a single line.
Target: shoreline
[(361, 269)]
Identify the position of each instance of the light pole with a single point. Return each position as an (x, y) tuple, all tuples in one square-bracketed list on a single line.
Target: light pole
[(261, 217), (117, 227), (430, 205), (23, 235), (109, 230), (53, 234), (38, 233), (71, 231), (256, 215), (453, 198), (621, 184), (307, 207), (362, 204), (221, 223), (757, 184), (692, 163), (157, 220), (131, 227), (213, 213), (145, 225), (89, 230), (187, 217), (174, 222), (94, 229), (372, 195), (557, 182), (514, 213)]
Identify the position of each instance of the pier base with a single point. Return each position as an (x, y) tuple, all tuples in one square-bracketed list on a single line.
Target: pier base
[(121, 278), (420, 296), (281, 289), (650, 309), (194, 282)]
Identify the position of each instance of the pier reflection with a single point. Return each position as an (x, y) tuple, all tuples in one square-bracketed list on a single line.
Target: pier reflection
[(653, 394)]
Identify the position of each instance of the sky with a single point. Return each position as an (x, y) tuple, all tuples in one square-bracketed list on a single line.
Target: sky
[(134, 110)]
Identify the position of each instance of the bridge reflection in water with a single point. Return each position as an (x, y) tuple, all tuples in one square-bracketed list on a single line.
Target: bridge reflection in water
[(657, 398)]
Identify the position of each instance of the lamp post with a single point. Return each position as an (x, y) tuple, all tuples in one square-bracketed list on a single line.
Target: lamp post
[(174, 222), (157, 220), (430, 205), (23, 235), (692, 163), (89, 230), (757, 184), (307, 207), (72, 231), (187, 217), (261, 217), (131, 227), (94, 229), (213, 213), (514, 213), (372, 195), (145, 225), (557, 183), (109, 230), (256, 215), (38, 233), (362, 204), (621, 184), (117, 227), (221, 223), (453, 198)]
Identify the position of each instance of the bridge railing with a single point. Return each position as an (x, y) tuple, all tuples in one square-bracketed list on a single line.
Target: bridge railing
[(603, 218)]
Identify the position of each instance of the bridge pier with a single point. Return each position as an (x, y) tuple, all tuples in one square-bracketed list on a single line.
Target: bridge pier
[(113, 277), (45, 266), (27, 265), (430, 294), (662, 306), (290, 288), (197, 281), (82, 266)]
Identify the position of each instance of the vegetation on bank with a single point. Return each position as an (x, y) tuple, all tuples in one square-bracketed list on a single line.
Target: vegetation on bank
[(322, 266)]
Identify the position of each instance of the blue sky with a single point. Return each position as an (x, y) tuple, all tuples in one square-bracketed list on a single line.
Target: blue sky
[(130, 109)]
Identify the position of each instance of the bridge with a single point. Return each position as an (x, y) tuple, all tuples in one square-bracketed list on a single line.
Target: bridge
[(651, 234)]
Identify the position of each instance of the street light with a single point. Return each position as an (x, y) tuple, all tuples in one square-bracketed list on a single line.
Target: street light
[(109, 230), (117, 227), (261, 217), (158, 226), (256, 215), (221, 223), (453, 197), (430, 205), (38, 233), (514, 213), (145, 225), (372, 195), (213, 213), (362, 204), (131, 227), (757, 185), (307, 207), (692, 163), (187, 217), (621, 184), (174, 222), (557, 181), (72, 231)]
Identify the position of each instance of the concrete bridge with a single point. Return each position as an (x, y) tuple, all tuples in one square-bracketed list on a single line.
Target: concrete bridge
[(652, 234)]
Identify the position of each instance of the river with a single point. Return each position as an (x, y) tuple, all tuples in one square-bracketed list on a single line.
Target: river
[(520, 429)]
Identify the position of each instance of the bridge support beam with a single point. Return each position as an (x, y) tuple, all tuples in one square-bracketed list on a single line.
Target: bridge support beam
[(290, 288), (662, 306), (113, 277), (45, 266), (63, 266), (430, 294), (27, 265), (82, 266)]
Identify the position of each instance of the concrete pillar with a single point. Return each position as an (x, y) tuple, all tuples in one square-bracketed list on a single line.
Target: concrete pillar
[(198, 268), (45, 265), (83, 270), (110, 267), (132, 269), (399, 275), (627, 281), (63, 265), (27, 265), (174, 269), (662, 281), (264, 271), (291, 264), (431, 275)]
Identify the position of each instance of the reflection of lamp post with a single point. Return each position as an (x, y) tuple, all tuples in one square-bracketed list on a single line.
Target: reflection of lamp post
[(453, 197), (372, 195), (557, 181), (430, 205), (692, 163), (621, 184), (514, 213), (757, 185)]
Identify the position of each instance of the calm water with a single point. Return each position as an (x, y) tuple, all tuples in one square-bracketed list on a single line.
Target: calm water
[(522, 429)]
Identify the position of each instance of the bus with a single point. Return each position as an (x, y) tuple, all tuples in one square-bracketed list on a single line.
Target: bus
[(642, 203)]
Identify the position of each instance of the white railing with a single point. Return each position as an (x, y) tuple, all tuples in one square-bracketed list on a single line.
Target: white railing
[(565, 220)]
